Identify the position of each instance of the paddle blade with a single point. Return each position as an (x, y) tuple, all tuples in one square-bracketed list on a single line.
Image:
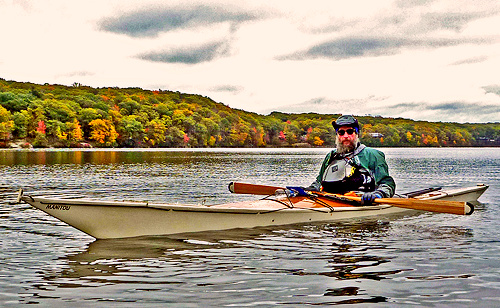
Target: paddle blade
[(437, 206), (244, 188)]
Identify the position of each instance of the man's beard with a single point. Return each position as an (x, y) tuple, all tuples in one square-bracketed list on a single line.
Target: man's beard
[(346, 148)]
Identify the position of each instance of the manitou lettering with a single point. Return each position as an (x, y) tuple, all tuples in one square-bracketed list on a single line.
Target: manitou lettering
[(58, 207)]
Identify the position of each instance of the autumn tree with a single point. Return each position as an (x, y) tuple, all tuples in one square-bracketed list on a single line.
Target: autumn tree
[(155, 132), (85, 117), (168, 118), (6, 124), (41, 136), (103, 132), (75, 132)]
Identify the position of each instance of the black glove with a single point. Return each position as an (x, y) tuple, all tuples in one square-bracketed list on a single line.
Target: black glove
[(368, 197), (311, 188)]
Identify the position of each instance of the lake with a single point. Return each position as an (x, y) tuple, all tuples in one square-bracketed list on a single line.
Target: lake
[(433, 260)]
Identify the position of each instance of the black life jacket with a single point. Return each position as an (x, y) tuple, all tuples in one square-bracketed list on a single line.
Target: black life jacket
[(343, 174)]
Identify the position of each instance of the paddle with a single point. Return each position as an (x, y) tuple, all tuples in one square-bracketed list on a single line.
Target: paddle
[(438, 206)]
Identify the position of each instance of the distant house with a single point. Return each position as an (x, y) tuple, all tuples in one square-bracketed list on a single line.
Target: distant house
[(376, 135)]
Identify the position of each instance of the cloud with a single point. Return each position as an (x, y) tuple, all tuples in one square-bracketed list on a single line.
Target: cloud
[(227, 88), (352, 47), (78, 74), (495, 89), (151, 22), (422, 17), (324, 105), (472, 60), (450, 111), (413, 3), (188, 55), (417, 18), (461, 112), (450, 20)]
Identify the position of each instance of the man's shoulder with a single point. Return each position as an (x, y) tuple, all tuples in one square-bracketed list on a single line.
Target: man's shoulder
[(330, 154), (371, 151)]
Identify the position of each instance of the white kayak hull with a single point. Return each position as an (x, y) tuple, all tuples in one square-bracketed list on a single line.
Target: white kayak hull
[(117, 219)]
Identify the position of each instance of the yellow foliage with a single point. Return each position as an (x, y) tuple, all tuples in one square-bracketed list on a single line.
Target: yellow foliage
[(75, 131), (60, 134), (409, 136), (103, 131), (6, 125), (211, 141), (156, 132), (317, 141)]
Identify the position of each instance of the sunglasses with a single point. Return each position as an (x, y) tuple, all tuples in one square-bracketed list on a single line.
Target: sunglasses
[(349, 131)]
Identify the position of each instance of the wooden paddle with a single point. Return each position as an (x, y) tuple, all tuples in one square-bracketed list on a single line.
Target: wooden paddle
[(253, 189), (438, 206)]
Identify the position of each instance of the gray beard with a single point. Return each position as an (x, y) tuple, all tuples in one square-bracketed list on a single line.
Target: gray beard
[(344, 149)]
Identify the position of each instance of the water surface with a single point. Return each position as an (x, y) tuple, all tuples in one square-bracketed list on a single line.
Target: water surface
[(430, 259)]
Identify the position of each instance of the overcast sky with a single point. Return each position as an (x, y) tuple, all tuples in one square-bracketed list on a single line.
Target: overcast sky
[(435, 60)]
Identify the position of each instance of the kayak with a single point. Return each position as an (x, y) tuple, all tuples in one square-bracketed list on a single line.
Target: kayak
[(121, 219)]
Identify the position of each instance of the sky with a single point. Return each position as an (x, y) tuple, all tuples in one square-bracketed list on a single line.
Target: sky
[(432, 60)]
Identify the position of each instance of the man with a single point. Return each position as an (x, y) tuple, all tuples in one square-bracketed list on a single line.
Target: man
[(353, 166)]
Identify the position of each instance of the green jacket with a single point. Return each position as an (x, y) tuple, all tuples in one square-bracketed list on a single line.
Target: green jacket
[(370, 159)]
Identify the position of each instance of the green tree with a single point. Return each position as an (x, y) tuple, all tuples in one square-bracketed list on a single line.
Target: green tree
[(174, 137), (60, 110), (130, 128), (15, 102), (128, 106), (20, 124), (85, 117)]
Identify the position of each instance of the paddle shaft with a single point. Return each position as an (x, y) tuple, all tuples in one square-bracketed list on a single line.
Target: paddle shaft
[(438, 206)]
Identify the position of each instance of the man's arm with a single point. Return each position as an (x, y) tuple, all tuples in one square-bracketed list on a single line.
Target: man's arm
[(375, 159)]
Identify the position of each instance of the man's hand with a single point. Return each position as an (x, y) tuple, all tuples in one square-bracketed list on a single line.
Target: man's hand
[(297, 191), (368, 197)]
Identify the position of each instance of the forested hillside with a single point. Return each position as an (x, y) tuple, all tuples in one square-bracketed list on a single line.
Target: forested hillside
[(62, 116)]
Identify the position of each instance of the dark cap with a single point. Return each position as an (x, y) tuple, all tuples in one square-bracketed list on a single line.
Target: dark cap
[(345, 120)]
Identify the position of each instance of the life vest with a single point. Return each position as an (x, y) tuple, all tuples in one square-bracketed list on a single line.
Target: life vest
[(343, 174)]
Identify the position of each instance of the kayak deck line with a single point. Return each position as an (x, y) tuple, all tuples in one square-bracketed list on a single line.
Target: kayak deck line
[(216, 208)]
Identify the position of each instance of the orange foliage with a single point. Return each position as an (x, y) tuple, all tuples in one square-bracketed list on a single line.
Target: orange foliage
[(75, 132), (41, 127), (103, 131), (317, 141)]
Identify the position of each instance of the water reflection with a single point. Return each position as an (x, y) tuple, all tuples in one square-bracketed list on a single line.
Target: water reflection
[(133, 156), (79, 157), (333, 251)]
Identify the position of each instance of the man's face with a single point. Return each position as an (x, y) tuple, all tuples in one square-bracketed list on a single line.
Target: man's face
[(347, 139)]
